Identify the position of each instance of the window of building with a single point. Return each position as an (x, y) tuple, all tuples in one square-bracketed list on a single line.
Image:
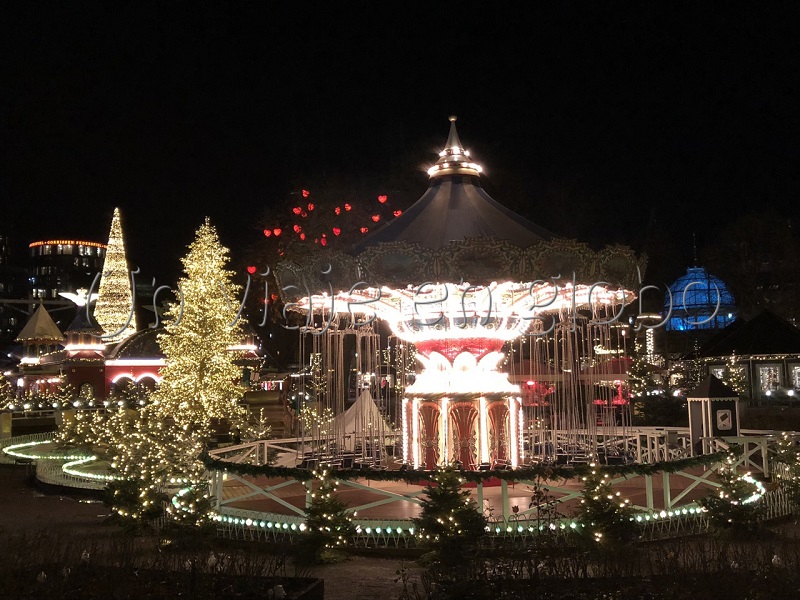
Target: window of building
[(769, 377), (46, 249), (795, 376), (717, 372)]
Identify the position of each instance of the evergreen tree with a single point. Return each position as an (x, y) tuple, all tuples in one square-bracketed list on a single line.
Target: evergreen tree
[(639, 373), (605, 516), (737, 506), (150, 457), (328, 526), (6, 393), (787, 468), (157, 455), (199, 381), (733, 376), (451, 525), (114, 308)]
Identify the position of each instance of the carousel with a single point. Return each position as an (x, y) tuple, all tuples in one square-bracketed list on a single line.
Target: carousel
[(500, 343)]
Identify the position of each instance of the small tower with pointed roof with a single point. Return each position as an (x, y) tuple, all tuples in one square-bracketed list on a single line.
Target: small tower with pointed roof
[(40, 336), (42, 347)]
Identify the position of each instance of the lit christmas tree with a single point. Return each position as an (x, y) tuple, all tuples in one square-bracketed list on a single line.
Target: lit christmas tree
[(737, 504), (733, 375), (199, 381), (451, 524), (328, 526), (787, 470), (149, 458), (604, 514), (639, 373), (114, 308), (6, 393)]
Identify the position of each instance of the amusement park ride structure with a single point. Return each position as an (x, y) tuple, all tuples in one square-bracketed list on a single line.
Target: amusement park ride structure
[(468, 284)]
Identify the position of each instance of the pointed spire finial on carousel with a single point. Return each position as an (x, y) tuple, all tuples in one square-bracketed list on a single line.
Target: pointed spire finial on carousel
[(454, 160)]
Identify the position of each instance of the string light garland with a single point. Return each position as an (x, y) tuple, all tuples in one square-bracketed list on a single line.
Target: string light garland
[(544, 472)]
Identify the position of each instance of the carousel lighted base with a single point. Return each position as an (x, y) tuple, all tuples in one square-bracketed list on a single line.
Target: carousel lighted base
[(461, 408)]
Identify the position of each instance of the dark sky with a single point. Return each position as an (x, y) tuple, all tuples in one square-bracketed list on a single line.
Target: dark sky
[(612, 122)]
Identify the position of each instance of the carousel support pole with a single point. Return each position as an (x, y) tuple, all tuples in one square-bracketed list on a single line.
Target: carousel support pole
[(444, 446), (479, 490), (648, 489), (504, 498), (667, 491), (309, 486), (216, 488)]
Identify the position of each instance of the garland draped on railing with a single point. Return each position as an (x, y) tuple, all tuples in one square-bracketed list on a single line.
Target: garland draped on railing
[(543, 472)]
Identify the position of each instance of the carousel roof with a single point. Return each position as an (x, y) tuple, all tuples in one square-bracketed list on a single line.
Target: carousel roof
[(457, 232), (455, 207), (40, 327)]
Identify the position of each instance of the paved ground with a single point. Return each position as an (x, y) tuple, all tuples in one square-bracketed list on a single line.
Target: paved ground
[(23, 507)]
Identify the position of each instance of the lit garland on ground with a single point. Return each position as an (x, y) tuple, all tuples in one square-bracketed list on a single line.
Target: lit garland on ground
[(69, 469), (114, 308), (22, 451)]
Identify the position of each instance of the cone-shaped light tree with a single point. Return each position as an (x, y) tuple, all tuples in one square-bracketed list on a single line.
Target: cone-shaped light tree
[(200, 379), (114, 308)]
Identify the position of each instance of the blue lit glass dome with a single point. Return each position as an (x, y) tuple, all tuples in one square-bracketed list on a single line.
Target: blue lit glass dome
[(698, 301)]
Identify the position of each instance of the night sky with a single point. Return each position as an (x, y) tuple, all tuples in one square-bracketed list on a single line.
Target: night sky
[(610, 122)]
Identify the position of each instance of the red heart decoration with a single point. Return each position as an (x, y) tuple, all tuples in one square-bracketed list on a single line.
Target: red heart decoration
[(382, 199), (277, 231), (267, 232), (338, 210), (364, 229), (397, 213), (297, 210), (347, 207), (376, 218), (336, 231), (251, 269), (306, 193)]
